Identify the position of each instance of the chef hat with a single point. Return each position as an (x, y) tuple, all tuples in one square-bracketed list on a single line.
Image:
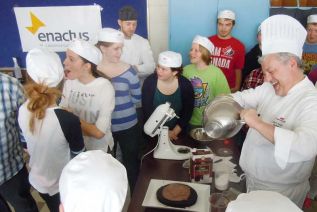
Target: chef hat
[(205, 42), (170, 59), (86, 50), (128, 13), (282, 33), (259, 29), (262, 201), (44, 66), (228, 14), (312, 19), (111, 35), (93, 181)]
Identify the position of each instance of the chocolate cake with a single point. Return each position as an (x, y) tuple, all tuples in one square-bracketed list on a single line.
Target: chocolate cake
[(177, 195)]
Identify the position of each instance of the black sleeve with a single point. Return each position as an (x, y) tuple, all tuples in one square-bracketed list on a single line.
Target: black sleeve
[(148, 89), (251, 61), (187, 93), (70, 125)]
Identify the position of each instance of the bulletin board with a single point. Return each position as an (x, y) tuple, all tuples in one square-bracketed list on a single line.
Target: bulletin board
[(10, 45)]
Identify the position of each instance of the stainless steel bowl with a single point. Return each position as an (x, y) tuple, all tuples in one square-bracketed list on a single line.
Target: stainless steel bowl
[(199, 134), (221, 119)]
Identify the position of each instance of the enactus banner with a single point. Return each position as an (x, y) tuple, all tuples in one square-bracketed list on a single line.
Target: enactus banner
[(55, 27)]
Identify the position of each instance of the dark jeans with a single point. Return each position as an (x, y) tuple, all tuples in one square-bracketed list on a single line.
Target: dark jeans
[(129, 144), (17, 192), (52, 202), (143, 146)]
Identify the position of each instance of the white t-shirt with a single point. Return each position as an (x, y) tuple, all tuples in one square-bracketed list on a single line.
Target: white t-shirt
[(93, 103), (48, 146)]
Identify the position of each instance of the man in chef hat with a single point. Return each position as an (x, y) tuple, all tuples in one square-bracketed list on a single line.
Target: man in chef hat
[(281, 145), (93, 181)]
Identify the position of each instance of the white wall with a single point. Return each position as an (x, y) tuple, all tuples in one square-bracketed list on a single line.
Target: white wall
[(172, 24), (158, 25), (191, 17)]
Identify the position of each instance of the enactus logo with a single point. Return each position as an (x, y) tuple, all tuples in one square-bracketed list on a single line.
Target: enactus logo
[(49, 36)]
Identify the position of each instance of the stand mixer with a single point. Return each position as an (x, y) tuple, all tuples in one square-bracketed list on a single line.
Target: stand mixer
[(165, 149)]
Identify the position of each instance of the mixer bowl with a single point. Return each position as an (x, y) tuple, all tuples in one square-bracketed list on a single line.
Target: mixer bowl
[(221, 118)]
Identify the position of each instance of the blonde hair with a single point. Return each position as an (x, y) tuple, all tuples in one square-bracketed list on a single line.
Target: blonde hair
[(40, 97), (205, 54)]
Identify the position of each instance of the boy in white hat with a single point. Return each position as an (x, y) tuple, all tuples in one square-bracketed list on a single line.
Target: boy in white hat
[(93, 181), (88, 95), (207, 80), (279, 151), (168, 85), (228, 54), (53, 135), (310, 49), (136, 50)]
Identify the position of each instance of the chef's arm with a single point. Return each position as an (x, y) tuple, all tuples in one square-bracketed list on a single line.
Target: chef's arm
[(252, 119), (91, 130)]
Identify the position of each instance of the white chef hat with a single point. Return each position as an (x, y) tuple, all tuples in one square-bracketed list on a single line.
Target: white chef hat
[(205, 42), (44, 66), (86, 50), (111, 35), (259, 29), (282, 33), (170, 59), (312, 19), (93, 181), (228, 14), (262, 201)]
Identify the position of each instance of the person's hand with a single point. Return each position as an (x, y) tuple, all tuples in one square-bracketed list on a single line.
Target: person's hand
[(172, 135), (250, 116)]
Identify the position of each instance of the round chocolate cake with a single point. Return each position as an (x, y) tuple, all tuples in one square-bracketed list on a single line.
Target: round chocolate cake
[(177, 195)]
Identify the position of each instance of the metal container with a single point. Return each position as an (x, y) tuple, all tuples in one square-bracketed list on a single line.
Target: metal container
[(199, 134), (221, 118)]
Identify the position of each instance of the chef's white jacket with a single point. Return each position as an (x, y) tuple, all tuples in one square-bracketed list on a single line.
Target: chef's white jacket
[(286, 165), (137, 51)]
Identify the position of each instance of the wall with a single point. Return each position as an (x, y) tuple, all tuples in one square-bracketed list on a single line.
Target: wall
[(9, 36), (191, 17), (158, 26)]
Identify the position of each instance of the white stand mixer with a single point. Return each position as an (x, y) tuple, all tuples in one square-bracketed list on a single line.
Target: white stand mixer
[(165, 149)]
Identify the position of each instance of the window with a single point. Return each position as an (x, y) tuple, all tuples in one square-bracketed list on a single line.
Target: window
[(293, 3), (308, 3), (283, 3)]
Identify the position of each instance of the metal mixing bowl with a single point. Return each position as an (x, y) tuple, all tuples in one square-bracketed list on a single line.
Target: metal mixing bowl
[(221, 118), (199, 134)]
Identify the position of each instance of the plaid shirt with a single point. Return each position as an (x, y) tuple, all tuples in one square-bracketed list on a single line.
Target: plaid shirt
[(254, 79), (11, 94)]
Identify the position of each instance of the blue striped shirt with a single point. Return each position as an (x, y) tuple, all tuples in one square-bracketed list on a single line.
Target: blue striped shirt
[(127, 94), (11, 152)]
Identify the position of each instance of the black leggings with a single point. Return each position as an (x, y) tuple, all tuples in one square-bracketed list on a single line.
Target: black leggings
[(4, 207)]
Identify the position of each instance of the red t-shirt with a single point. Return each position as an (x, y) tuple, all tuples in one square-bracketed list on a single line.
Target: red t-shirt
[(228, 56)]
